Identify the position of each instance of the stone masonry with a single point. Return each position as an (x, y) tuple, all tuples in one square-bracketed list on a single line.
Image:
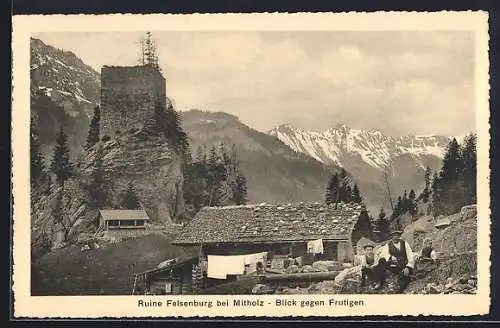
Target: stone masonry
[(129, 96)]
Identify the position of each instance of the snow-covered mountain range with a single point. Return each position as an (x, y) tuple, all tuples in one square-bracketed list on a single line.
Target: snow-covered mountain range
[(375, 149), (370, 156)]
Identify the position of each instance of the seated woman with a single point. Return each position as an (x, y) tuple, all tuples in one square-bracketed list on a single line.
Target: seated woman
[(426, 259)]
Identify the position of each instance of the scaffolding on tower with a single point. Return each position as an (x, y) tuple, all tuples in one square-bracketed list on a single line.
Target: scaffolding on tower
[(149, 51)]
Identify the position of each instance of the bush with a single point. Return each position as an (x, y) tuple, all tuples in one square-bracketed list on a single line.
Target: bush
[(106, 138)]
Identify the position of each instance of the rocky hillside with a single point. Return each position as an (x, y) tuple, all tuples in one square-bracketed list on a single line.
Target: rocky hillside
[(138, 156), (273, 170), (64, 92), (366, 154)]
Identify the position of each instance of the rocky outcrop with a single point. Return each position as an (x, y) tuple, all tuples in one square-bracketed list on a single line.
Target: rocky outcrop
[(460, 236), (45, 232), (138, 156), (145, 159)]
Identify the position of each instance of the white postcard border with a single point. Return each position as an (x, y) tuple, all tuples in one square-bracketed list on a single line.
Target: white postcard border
[(127, 306)]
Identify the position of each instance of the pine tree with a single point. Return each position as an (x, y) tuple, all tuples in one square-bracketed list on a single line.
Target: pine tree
[(412, 206), (451, 162), (344, 192), (37, 168), (427, 189), (169, 122), (94, 129), (469, 169), (61, 165), (216, 174), (436, 192), (451, 186), (240, 190), (226, 159), (332, 190), (363, 227), (398, 209), (411, 195), (98, 186), (348, 193), (130, 200), (213, 157), (356, 195)]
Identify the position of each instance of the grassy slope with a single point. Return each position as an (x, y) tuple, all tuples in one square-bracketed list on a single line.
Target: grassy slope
[(106, 270)]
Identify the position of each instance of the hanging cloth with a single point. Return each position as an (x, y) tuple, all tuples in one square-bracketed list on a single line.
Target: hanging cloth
[(315, 246), (220, 266), (252, 259)]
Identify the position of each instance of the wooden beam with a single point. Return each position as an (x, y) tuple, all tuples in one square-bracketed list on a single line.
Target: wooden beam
[(135, 281), (329, 275)]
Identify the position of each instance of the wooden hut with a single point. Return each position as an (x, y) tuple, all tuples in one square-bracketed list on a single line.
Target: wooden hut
[(172, 277)]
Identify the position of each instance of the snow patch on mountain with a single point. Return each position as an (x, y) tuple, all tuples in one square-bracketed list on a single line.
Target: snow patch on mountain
[(332, 146), (64, 77)]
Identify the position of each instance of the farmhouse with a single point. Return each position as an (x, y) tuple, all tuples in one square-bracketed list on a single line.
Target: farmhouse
[(232, 237)]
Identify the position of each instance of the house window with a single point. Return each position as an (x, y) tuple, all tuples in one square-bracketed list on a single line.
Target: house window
[(112, 223)]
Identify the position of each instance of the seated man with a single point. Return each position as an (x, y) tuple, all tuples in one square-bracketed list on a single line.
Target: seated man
[(397, 258), (369, 265)]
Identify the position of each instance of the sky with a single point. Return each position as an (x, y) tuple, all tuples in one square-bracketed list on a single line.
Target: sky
[(398, 82)]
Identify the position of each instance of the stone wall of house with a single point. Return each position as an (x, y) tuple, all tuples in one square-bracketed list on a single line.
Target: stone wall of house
[(129, 96)]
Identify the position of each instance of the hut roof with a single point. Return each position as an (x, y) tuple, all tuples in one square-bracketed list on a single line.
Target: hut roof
[(270, 223), (124, 215)]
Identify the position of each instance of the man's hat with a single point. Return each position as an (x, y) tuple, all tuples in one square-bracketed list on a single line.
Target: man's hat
[(399, 232), (369, 245)]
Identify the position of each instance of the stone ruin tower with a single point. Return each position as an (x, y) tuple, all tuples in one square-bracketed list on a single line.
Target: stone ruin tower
[(130, 95)]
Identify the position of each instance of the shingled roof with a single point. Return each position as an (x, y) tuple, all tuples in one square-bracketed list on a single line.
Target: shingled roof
[(124, 215), (270, 223)]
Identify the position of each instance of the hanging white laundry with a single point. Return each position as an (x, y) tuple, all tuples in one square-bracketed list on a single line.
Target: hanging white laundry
[(252, 259), (215, 267), (168, 287), (315, 246), (219, 266)]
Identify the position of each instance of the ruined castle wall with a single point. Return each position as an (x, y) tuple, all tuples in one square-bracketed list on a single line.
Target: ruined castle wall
[(129, 96)]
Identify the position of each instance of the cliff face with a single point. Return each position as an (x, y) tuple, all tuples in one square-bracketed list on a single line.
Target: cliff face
[(145, 159), (142, 157)]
